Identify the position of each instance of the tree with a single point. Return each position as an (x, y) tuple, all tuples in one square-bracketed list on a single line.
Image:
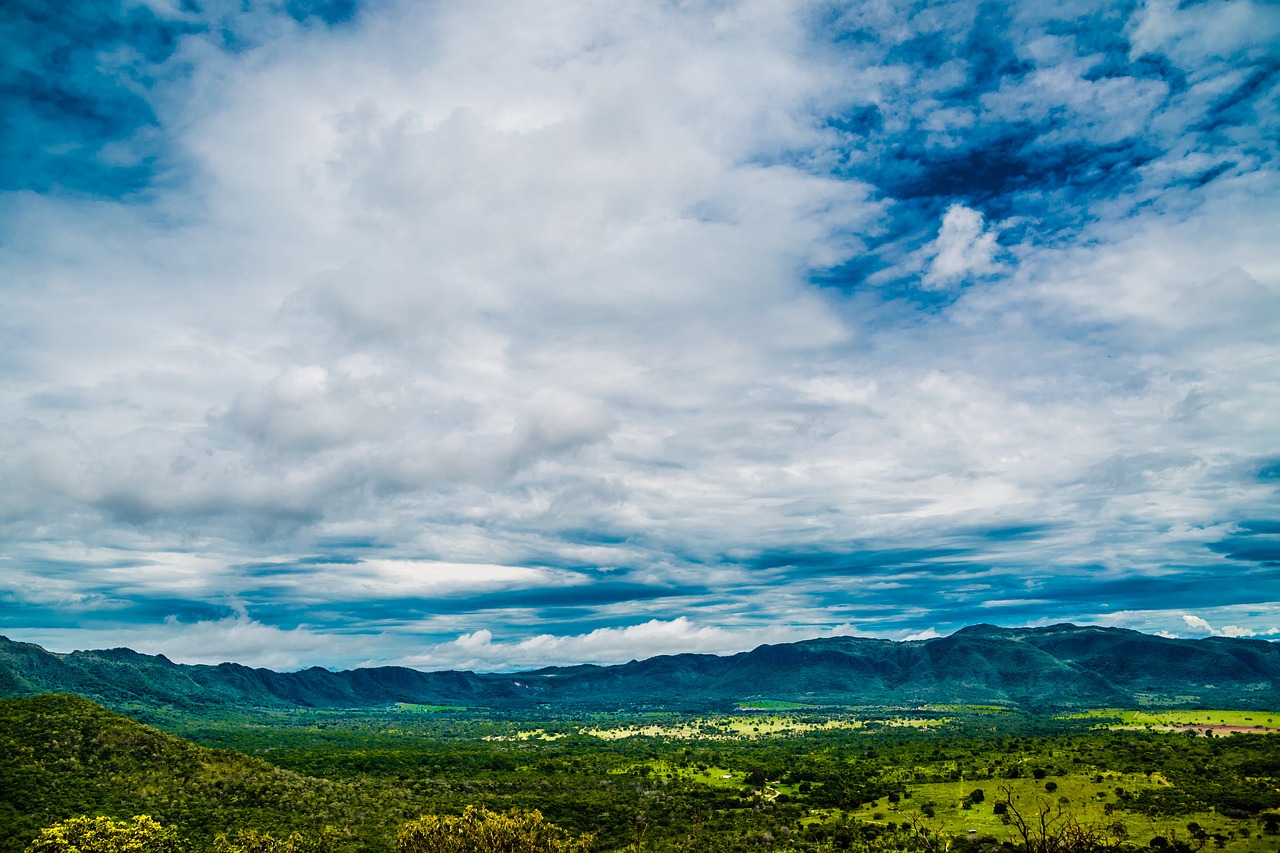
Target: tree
[(484, 831), (104, 835), (252, 841), (1044, 829)]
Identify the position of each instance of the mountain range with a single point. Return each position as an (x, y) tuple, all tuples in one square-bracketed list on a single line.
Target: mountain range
[(1060, 666)]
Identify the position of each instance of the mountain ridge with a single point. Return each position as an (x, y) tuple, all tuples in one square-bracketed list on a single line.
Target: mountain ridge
[(1058, 666)]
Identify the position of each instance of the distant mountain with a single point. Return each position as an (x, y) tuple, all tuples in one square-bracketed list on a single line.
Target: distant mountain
[(1061, 666)]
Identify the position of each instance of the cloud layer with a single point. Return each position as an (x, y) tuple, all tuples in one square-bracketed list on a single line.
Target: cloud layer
[(459, 335)]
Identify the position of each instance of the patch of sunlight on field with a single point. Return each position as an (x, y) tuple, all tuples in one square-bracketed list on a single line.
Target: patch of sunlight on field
[(920, 723), (528, 734), (1175, 719), (725, 728), (746, 727), (427, 709), (1080, 797)]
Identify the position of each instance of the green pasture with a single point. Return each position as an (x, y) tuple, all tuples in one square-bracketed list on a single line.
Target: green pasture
[(411, 707), (1178, 718), (1080, 796)]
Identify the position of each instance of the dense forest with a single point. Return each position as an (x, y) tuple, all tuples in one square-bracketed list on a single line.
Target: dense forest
[(771, 779)]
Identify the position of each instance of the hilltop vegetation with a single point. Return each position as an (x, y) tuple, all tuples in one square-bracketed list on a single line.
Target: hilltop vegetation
[(351, 781), (1062, 666), (62, 756)]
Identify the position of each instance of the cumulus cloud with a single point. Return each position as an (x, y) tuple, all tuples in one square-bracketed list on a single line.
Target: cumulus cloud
[(1196, 623), (235, 638), (478, 649), (964, 248), (1201, 625), (580, 318)]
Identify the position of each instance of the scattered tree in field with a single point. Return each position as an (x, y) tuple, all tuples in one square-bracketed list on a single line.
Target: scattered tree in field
[(104, 835), (1045, 829)]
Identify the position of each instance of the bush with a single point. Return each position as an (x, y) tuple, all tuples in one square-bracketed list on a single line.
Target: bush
[(104, 835), (483, 831), (252, 841)]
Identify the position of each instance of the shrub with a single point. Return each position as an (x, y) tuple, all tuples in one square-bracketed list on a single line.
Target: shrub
[(104, 835), (483, 831)]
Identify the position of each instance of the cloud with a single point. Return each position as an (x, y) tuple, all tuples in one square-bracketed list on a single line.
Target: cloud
[(478, 650), (964, 248), (235, 638), (427, 321), (1195, 623), (1200, 625)]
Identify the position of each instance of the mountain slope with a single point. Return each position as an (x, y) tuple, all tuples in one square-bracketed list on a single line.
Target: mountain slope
[(1057, 666), (62, 756)]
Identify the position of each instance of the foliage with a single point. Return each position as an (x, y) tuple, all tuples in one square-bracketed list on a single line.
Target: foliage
[(103, 835), (278, 779), (484, 831), (253, 841), (1048, 828), (61, 756)]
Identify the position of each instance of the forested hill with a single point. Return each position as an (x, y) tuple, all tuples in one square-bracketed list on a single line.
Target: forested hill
[(1061, 666), (62, 756)]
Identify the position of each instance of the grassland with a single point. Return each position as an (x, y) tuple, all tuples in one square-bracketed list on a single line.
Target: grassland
[(414, 708), (1182, 719)]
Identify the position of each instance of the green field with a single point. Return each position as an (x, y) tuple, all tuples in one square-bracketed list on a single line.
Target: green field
[(427, 709), (1181, 718)]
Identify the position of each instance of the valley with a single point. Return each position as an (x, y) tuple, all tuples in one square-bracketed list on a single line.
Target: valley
[(1029, 740), (866, 779)]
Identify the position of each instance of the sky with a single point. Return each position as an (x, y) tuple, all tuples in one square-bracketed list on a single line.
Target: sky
[(495, 335)]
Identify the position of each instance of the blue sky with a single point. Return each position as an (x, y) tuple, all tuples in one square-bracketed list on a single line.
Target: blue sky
[(490, 336)]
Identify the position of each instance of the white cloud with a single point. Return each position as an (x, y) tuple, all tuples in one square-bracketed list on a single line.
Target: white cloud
[(1201, 625), (235, 639), (478, 650), (1196, 623), (964, 248), (498, 292)]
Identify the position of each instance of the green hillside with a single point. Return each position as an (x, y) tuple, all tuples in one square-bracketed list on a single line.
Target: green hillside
[(62, 756), (1056, 667)]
